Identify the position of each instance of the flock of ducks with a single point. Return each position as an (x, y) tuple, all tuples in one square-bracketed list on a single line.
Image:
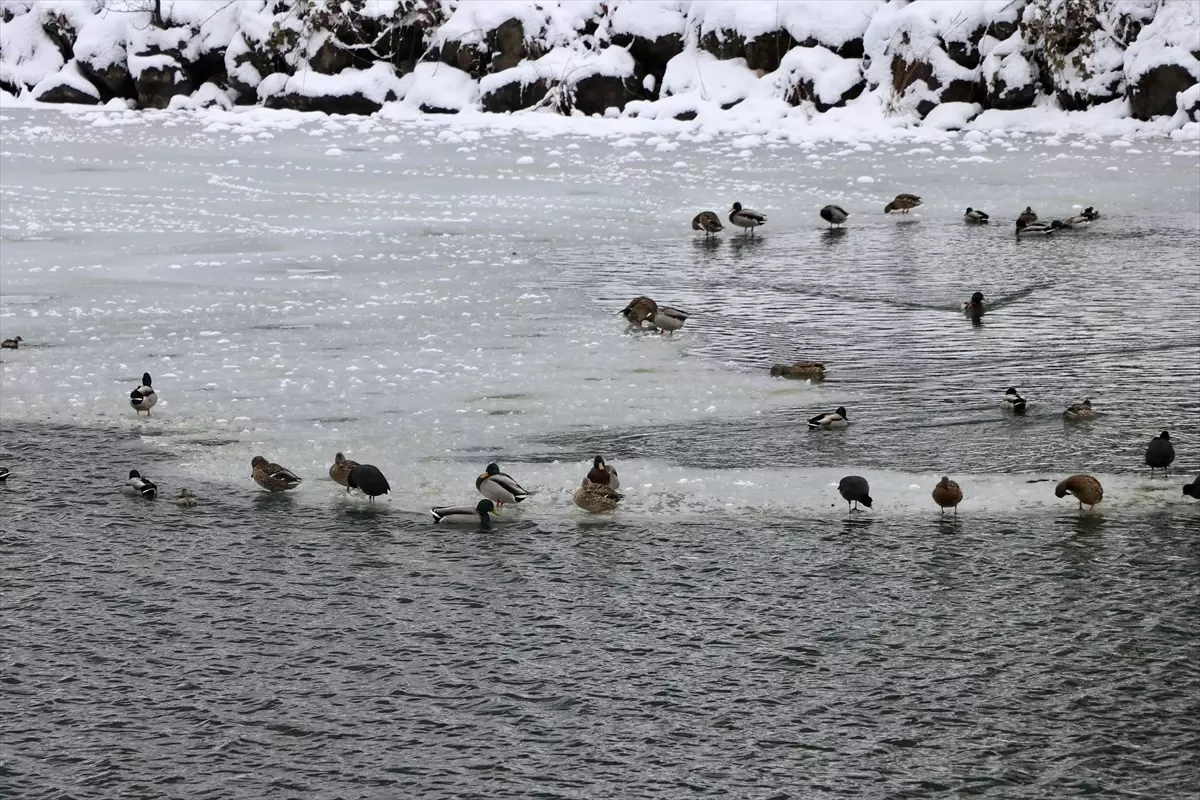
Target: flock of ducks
[(597, 492), (1027, 220)]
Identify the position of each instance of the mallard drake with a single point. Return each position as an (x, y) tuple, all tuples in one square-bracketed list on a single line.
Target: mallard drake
[(745, 218), (1160, 453), (1083, 488), (801, 370), (834, 215), (479, 513), (1091, 214), (975, 305), (185, 499), (902, 203), (708, 222), (1012, 401), (11, 344), (603, 475), (1192, 489), (4, 473), (340, 470), (1028, 216), (854, 489), (668, 319), (975, 217), (143, 486), (596, 498), (369, 480), (144, 397), (832, 419), (1079, 410), (1075, 223), (639, 310), (1037, 228), (947, 494), (272, 477), (499, 487)]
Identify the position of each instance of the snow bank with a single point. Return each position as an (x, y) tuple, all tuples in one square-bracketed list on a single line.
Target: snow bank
[(651, 59)]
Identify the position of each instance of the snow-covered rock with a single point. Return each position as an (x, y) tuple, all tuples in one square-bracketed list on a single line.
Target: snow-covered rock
[(68, 85)]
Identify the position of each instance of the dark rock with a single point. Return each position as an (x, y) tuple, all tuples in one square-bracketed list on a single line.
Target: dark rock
[(685, 116), (428, 109), (329, 104), (1002, 30), (851, 48), (209, 67), (1153, 94), (1007, 98), (507, 45), (806, 91), (924, 107), (960, 90), (58, 28), (595, 93), (62, 93), (157, 85), (469, 58), (906, 73), (331, 59), (112, 81), (724, 44), (1079, 101), (652, 54), (965, 54), (767, 50), (514, 96), (262, 60)]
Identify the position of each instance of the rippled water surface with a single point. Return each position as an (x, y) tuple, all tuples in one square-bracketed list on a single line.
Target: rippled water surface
[(421, 297)]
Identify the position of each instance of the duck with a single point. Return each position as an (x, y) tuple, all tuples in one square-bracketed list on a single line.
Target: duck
[(803, 370), (975, 217), (143, 397), (708, 222), (596, 498), (1160, 453), (947, 494), (4, 473), (340, 470), (479, 513), (602, 474), (1083, 488), (11, 344), (834, 215), (639, 310), (1012, 401), (185, 499), (745, 218), (854, 489), (668, 319), (1077, 222), (1028, 216), (832, 419), (1091, 214), (1079, 410), (974, 305), (143, 486), (1037, 228), (1192, 489), (369, 480), (499, 487), (903, 203), (271, 476)]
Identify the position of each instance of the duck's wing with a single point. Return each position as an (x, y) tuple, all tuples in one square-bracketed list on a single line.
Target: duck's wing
[(673, 313), (278, 473), (754, 215), (510, 484), (819, 419)]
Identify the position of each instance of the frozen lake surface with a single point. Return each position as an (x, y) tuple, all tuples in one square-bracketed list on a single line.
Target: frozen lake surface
[(429, 296)]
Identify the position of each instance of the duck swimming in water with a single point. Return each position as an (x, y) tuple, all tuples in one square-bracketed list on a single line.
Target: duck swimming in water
[(1079, 410), (975, 217), (1012, 401), (833, 419), (975, 304)]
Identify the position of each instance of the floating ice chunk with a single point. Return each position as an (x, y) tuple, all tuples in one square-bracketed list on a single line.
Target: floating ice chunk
[(524, 161), (334, 151), (865, 179)]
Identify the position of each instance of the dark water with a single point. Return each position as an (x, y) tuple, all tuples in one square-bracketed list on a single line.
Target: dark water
[(253, 647)]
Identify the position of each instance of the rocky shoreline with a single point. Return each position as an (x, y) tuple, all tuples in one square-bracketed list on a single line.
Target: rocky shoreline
[(651, 58)]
